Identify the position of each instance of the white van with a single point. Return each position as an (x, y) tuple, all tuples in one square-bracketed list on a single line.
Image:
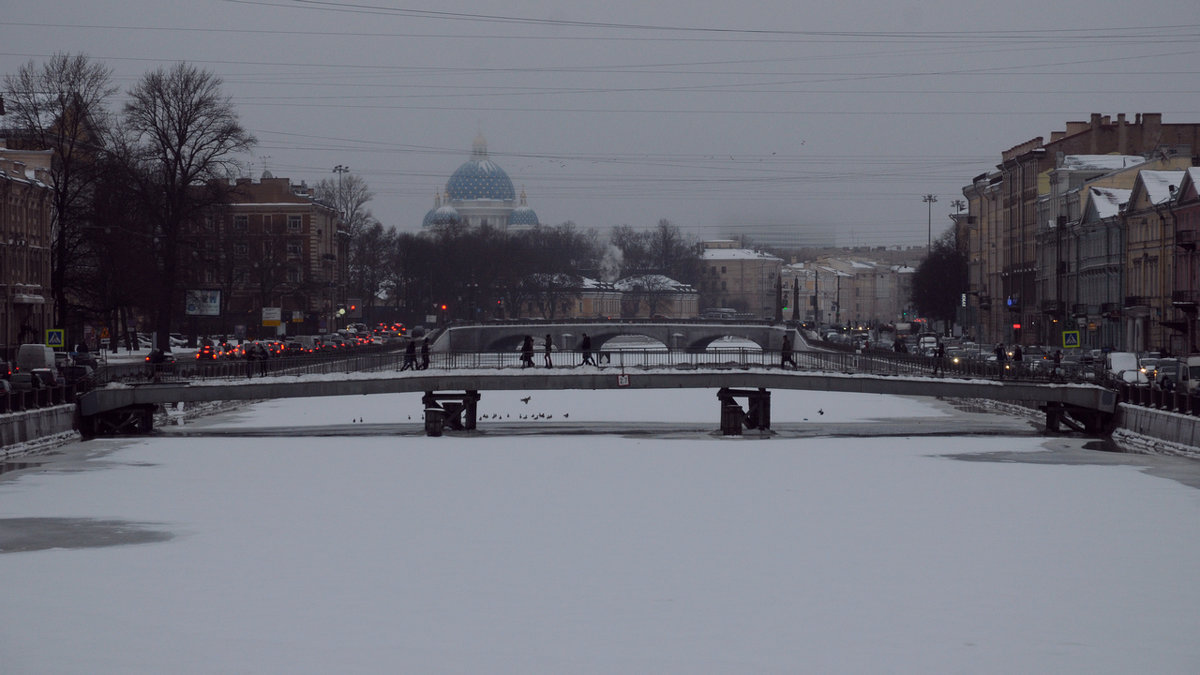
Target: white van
[(35, 356), (1192, 373)]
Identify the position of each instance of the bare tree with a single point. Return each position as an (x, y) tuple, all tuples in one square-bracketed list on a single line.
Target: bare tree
[(349, 195), (61, 106), (183, 133)]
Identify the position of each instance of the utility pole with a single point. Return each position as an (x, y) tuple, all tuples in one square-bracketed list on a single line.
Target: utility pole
[(929, 199)]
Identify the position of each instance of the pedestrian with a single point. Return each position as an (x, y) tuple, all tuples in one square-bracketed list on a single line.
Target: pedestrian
[(548, 346), (1000, 357), (939, 358), (585, 346), (410, 356), (1017, 358), (527, 352), (785, 353), (425, 354)]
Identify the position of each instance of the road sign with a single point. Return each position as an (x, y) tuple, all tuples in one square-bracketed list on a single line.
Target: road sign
[(623, 380), (1070, 339), (56, 338)]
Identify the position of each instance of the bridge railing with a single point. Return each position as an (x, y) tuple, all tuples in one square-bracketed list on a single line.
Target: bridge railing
[(870, 362)]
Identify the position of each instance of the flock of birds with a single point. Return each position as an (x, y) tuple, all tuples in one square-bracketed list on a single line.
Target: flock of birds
[(530, 416)]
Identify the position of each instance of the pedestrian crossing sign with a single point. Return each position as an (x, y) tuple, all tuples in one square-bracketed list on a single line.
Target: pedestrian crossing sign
[(1070, 339), (55, 338)]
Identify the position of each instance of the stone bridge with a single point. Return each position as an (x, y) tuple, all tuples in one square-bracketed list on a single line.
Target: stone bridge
[(690, 336)]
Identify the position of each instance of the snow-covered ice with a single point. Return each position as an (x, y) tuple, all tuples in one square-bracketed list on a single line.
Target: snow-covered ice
[(595, 553)]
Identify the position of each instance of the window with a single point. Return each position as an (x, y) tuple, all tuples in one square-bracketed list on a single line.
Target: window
[(294, 223), (241, 249), (241, 223), (239, 276), (293, 275), (293, 249), (722, 269), (266, 222)]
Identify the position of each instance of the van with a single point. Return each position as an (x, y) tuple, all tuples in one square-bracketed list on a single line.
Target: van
[(1123, 367), (34, 356), (1192, 373)]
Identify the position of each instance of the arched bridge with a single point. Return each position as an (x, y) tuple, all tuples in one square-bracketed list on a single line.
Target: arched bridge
[(690, 336)]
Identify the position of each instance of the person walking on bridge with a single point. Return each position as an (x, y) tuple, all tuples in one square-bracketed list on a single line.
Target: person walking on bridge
[(548, 346), (585, 346), (527, 352), (425, 355), (785, 353), (1000, 357), (410, 356), (939, 359)]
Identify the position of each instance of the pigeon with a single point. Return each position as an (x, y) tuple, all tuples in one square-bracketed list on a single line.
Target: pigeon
[(820, 411), (526, 400)]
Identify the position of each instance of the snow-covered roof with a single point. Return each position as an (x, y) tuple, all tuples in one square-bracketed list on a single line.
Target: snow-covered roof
[(656, 282), (736, 254), (1103, 162), (1108, 201), (1158, 184)]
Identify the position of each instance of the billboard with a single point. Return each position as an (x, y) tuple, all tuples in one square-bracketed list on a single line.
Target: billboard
[(271, 316), (202, 303)]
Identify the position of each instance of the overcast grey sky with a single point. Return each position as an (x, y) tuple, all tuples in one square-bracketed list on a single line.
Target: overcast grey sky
[(816, 122)]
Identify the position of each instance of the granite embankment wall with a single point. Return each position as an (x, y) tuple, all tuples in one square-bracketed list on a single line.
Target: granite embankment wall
[(19, 429)]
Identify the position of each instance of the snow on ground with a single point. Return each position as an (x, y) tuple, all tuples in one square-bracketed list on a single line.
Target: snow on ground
[(598, 553)]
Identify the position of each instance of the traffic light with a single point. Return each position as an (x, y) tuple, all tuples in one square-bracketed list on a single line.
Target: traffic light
[(1016, 332)]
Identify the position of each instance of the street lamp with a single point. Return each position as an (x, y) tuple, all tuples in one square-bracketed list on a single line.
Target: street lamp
[(930, 199)]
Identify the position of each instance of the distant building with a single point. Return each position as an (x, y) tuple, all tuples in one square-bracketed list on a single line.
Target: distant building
[(480, 193), (26, 222), (656, 296), (740, 278), (276, 247)]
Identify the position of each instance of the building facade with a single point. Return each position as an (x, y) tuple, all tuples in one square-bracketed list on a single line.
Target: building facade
[(26, 233), (276, 258), (740, 278)]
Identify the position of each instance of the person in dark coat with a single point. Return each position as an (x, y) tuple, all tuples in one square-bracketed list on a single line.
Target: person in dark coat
[(548, 346), (527, 352), (585, 346), (785, 353), (1000, 357), (410, 356), (425, 354), (939, 359)]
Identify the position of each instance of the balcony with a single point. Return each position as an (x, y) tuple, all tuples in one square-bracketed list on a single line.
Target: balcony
[(1135, 301), (1053, 307), (1187, 301), (1186, 240)]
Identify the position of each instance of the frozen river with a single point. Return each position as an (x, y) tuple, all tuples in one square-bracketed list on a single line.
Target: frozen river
[(600, 532)]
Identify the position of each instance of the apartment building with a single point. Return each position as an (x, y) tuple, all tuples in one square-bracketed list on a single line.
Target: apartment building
[(272, 262), (1005, 218), (26, 232)]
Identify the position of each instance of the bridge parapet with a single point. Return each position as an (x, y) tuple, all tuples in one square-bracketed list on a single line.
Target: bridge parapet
[(674, 335)]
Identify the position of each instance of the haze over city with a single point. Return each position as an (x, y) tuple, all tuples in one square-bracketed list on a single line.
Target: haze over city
[(795, 124)]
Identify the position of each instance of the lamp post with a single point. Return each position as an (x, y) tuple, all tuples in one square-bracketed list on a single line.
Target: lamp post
[(929, 199)]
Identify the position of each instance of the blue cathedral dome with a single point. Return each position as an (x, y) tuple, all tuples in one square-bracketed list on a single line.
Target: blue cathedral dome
[(522, 216), (480, 178)]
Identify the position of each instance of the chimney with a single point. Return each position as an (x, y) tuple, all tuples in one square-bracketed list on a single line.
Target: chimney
[(1122, 135)]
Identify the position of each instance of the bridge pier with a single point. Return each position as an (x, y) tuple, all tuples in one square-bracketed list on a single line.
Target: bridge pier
[(130, 420), (1080, 420), (757, 414), (455, 410)]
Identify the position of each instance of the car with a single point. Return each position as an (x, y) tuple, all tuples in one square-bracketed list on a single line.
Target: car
[(206, 352), (76, 373)]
